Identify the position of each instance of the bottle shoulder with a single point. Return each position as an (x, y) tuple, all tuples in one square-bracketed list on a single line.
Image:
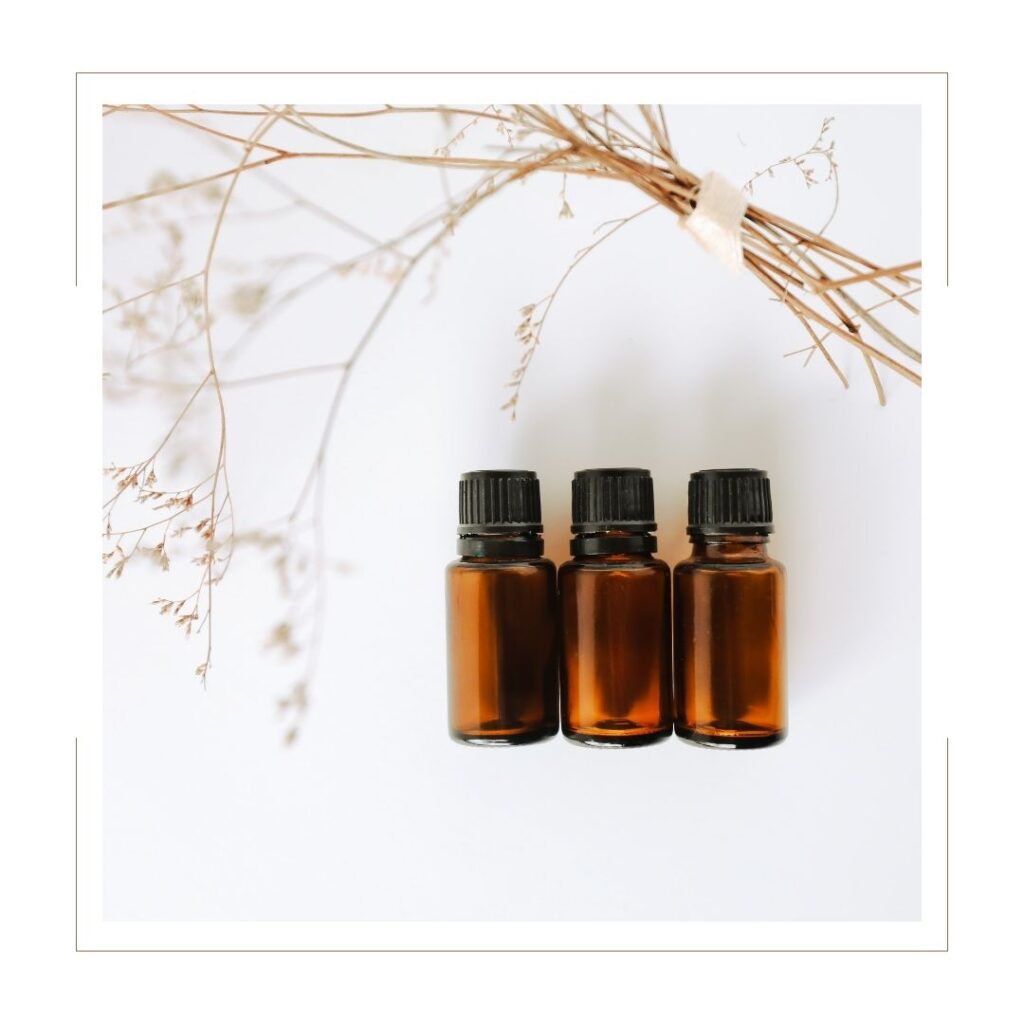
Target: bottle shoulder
[(520, 566), (705, 564), (616, 563)]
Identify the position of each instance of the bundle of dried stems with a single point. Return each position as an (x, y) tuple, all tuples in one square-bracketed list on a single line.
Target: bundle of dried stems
[(814, 277)]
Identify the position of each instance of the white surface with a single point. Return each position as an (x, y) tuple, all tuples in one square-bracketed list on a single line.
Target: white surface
[(653, 356)]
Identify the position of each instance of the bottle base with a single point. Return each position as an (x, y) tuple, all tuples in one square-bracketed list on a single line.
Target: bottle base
[(731, 739), (501, 739), (610, 739)]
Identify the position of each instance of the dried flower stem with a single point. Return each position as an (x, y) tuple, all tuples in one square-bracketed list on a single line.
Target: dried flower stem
[(532, 326)]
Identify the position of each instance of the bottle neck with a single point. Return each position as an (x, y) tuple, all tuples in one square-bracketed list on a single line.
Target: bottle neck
[(613, 542), (730, 547), (501, 546)]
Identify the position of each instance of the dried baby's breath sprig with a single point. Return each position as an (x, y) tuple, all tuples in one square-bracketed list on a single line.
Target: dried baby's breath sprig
[(293, 708), (193, 613), (534, 315), (281, 639), (176, 517), (821, 151)]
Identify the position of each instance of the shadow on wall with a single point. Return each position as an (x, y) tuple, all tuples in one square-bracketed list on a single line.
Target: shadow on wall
[(630, 416)]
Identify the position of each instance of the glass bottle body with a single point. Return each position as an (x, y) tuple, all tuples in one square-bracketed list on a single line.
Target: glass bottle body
[(616, 649), (502, 652), (730, 658)]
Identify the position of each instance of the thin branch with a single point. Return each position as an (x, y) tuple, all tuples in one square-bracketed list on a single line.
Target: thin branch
[(830, 284), (153, 291)]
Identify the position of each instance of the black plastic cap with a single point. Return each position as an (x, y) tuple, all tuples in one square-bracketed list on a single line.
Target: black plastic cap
[(499, 501), (730, 501), (613, 499)]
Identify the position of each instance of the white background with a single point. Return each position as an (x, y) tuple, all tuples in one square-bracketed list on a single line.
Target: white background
[(653, 356)]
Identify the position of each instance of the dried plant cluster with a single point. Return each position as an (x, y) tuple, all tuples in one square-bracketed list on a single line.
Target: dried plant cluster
[(172, 348)]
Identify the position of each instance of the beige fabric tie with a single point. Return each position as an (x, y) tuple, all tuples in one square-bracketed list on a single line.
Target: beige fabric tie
[(717, 219)]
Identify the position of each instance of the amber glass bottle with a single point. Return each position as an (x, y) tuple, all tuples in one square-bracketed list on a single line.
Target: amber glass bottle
[(616, 626), (502, 615), (729, 616)]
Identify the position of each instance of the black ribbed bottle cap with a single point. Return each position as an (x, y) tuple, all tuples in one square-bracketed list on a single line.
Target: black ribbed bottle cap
[(613, 499), (499, 501), (730, 501)]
